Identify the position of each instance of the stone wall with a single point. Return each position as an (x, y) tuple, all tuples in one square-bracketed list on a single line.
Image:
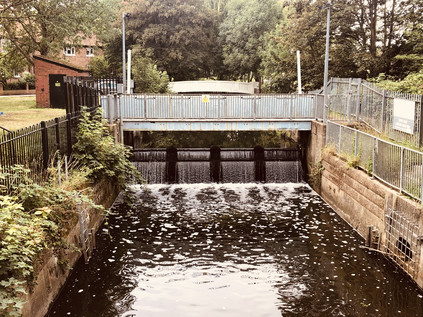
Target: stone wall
[(361, 200), (53, 275)]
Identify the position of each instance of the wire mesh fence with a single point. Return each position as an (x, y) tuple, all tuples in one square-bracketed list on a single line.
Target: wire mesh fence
[(354, 99), (402, 242), (397, 166)]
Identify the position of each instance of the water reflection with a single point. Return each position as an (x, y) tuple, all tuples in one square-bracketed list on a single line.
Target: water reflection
[(233, 250)]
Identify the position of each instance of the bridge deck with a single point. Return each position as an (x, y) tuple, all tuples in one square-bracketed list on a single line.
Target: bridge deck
[(212, 112)]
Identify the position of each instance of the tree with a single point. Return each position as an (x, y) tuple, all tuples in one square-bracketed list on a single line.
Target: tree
[(242, 34), (46, 26), (99, 67), (178, 34), (147, 78), (303, 28)]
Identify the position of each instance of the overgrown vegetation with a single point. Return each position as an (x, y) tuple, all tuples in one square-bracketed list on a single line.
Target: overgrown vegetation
[(97, 150), (36, 218)]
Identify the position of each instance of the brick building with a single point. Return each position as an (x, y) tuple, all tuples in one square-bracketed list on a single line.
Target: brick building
[(49, 73), (83, 54)]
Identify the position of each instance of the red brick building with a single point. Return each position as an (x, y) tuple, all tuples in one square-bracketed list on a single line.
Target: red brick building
[(83, 54), (49, 73)]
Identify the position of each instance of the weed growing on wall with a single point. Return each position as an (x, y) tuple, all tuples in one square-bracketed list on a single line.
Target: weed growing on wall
[(96, 149), (36, 218)]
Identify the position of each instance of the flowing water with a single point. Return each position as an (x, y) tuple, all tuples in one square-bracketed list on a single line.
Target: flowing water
[(232, 250)]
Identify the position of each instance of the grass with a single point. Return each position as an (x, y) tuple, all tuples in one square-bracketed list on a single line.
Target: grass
[(20, 112)]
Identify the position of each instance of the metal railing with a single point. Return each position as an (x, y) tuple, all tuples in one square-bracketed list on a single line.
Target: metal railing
[(34, 147), (211, 107), (354, 99), (397, 166)]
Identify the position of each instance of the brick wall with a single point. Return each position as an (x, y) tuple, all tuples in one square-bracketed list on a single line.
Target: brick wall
[(45, 67), (80, 58)]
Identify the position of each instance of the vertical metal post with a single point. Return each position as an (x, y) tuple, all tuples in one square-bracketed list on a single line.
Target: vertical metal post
[(69, 134), (109, 108), (123, 53), (326, 73), (374, 157), (357, 110), (120, 120), (300, 90), (44, 138), (356, 143), (57, 123), (421, 124), (402, 169), (340, 139), (349, 101), (382, 128)]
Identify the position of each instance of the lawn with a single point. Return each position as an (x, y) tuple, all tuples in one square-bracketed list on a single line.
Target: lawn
[(20, 112)]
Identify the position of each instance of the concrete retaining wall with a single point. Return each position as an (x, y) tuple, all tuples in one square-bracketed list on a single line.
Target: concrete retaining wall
[(52, 275), (361, 200)]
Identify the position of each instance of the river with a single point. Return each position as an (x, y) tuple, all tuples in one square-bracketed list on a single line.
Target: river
[(232, 250)]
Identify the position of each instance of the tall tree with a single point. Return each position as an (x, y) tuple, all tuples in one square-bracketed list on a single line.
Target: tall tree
[(242, 34), (179, 34), (46, 26)]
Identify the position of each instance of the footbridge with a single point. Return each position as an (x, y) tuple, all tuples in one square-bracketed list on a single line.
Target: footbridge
[(141, 112)]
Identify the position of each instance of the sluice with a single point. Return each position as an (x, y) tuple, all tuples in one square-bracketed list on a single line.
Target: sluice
[(219, 165)]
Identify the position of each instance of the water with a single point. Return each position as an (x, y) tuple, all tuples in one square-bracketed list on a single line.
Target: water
[(233, 250)]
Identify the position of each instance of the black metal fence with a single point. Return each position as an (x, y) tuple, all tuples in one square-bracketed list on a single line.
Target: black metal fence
[(35, 147), (86, 91)]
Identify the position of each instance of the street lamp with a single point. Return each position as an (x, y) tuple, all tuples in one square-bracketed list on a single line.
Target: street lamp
[(124, 15), (325, 80)]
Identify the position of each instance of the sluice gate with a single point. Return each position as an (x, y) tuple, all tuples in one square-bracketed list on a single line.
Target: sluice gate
[(219, 165)]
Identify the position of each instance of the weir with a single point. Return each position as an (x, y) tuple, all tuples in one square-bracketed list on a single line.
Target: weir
[(219, 165)]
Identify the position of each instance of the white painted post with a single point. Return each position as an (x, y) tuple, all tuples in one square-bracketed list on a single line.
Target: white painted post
[(300, 91), (128, 83)]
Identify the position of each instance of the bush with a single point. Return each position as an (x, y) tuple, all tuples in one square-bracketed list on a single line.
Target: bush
[(97, 150)]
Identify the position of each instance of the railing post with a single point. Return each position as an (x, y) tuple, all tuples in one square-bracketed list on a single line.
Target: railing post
[(357, 110), (44, 138), (382, 128), (402, 169), (69, 134), (374, 157), (356, 143), (109, 108), (145, 106), (421, 125), (57, 125)]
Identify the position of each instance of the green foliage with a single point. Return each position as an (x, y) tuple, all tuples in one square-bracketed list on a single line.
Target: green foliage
[(97, 150), (242, 34), (412, 84), (147, 78), (23, 235), (179, 34), (46, 26), (36, 218), (99, 67)]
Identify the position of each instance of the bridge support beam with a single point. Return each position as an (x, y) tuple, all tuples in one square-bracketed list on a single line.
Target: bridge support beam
[(256, 125)]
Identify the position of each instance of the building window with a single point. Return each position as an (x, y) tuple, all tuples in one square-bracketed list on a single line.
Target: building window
[(90, 51), (69, 51)]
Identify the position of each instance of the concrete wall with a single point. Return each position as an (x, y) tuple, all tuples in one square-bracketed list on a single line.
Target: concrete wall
[(52, 275), (361, 200)]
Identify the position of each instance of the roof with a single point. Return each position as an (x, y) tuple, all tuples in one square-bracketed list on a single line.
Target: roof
[(61, 62)]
